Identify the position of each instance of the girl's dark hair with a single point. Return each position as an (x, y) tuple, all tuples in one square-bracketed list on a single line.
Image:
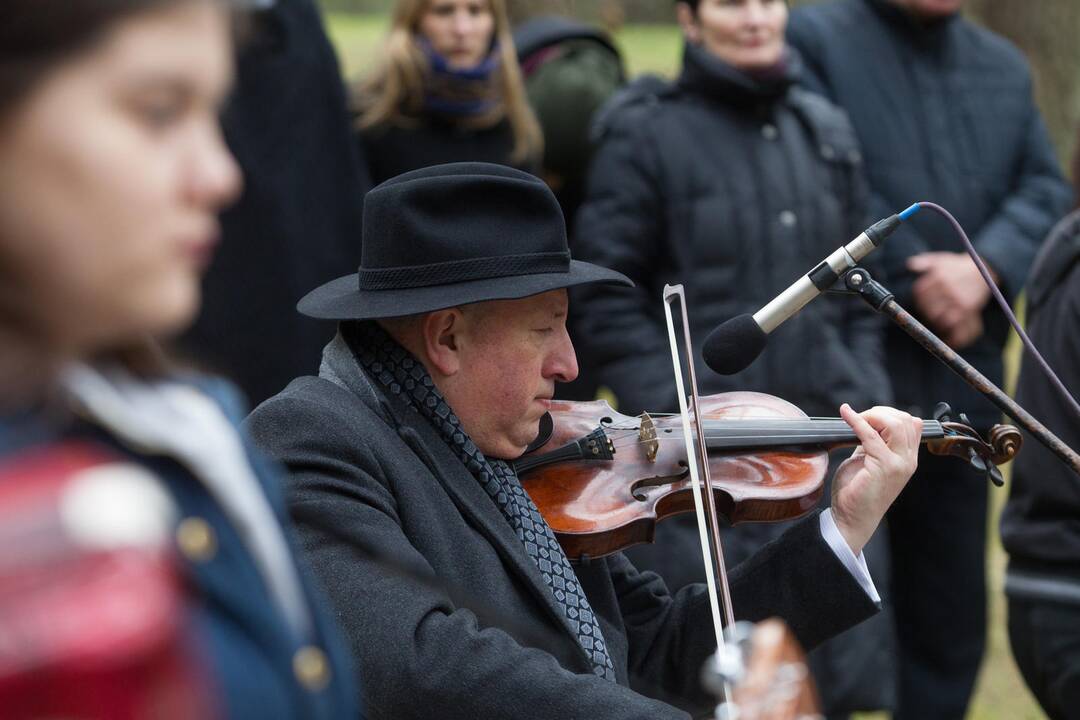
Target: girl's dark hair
[(35, 37)]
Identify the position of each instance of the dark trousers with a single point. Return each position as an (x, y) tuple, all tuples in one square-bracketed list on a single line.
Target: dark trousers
[(937, 532), (1045, 639)]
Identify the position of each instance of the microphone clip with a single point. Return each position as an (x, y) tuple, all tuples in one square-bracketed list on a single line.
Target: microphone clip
[(859, 281)]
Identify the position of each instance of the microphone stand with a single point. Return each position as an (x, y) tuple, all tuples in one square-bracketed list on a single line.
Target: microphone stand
[(859, 282)]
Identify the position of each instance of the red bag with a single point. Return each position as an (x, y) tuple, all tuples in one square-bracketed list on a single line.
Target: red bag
[(92, 614)]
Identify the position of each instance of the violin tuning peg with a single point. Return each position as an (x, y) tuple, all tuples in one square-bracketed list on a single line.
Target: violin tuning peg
[(964, 419), (979, 462), (986, 467), (943, 412)]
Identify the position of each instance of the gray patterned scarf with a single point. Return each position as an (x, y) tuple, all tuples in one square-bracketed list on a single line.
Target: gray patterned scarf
[(402, 375)]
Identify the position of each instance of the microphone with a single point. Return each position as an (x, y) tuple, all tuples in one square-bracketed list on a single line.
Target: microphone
[(736, 343)]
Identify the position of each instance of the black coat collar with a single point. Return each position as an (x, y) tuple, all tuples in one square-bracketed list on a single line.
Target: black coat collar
[(705, 74), (1056, 258), (914, 28)]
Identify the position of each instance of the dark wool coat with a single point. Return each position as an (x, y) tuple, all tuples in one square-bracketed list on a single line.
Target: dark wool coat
[(446, 613), (1040, 526), (298, 222), (944, 112), (391, 150), (735, 188), (245, 641)]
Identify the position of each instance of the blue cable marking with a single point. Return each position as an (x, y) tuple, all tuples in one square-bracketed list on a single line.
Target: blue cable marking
[(915, 207)]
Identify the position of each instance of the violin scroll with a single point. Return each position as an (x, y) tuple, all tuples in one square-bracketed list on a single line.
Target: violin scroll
[(962, 441), (1006, 441)]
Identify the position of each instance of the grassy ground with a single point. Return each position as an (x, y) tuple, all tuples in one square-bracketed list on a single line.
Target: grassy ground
[(1000, 693)]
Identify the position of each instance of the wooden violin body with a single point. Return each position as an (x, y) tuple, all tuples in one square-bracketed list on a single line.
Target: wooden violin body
[(583, 498), (603, 480)]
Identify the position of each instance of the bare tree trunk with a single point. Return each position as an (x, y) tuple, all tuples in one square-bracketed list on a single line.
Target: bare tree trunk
[(608, 13)]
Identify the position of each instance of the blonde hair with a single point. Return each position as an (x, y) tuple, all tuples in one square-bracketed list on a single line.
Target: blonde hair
[(394, 93)]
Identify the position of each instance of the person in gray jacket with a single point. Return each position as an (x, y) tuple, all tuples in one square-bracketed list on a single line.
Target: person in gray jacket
[(456, 597)]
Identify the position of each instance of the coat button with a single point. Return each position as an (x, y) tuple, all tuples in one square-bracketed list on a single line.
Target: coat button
[(769, 132), (828, 152), (196, 539), (788, 219), (311, 668)]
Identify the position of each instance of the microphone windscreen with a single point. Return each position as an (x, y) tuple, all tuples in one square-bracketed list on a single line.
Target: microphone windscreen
[(734, 344)]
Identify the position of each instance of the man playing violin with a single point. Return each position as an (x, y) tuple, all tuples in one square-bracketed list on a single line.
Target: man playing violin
[(454, 594)]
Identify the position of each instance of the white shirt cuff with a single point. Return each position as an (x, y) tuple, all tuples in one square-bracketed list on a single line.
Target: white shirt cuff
[(855, 565)]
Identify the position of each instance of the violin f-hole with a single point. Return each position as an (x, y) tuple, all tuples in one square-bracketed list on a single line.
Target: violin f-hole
[(658, 481)]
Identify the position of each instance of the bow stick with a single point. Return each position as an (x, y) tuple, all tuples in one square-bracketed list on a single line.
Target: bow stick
[(704, 503)]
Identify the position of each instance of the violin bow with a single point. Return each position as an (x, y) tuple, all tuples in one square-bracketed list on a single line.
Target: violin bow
[(704, 503)]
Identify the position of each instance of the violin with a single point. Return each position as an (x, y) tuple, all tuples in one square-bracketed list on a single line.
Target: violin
[(765, 669), (602, 480)]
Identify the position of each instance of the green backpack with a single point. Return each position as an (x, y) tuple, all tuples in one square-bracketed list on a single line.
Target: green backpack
[(570, 70)]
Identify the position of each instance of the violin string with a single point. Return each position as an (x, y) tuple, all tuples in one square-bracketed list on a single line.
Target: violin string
[(751, 439), (759, 417), (767, 421), (721, 428), (814, 429), (797, 439), (768, 425)]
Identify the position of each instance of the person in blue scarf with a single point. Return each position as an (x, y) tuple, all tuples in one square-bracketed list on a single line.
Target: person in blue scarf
[(448, 89)]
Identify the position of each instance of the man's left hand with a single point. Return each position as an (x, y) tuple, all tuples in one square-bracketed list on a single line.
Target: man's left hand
[(867, 483), (949, 289)]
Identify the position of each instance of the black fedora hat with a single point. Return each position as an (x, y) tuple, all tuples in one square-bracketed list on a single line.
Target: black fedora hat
[(451, 235)]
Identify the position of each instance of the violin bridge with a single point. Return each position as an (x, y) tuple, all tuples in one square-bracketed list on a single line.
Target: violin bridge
[(647, 435)]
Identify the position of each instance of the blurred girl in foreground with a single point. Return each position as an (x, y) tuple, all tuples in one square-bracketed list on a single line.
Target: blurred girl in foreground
[(448, 89), (112, 172)]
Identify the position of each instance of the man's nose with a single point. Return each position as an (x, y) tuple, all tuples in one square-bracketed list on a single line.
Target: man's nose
[(562, 363)]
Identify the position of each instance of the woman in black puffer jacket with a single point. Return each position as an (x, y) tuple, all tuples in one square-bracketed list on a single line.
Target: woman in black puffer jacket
[(733, 181)]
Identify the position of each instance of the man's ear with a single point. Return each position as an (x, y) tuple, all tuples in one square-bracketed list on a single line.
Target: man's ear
[(687, 20), (441, 332)]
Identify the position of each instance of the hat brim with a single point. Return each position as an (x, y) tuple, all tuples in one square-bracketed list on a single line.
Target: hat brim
[(341, 299)]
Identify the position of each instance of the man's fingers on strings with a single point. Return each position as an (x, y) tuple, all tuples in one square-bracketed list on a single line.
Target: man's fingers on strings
[(868, 435)]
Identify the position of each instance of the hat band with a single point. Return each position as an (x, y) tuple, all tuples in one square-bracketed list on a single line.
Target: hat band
[(458, 271)]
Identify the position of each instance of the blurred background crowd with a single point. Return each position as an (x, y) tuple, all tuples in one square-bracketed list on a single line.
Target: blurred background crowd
[(726, 144)]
